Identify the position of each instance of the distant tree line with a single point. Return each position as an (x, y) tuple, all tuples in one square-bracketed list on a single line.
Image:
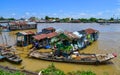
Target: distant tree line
[(2, 18), (64, 20)]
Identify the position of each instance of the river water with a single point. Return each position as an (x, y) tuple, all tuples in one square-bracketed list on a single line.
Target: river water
[(108, 42)]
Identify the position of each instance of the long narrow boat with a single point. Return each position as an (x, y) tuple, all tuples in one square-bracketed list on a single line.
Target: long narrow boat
[(80, 59), (11, 57)]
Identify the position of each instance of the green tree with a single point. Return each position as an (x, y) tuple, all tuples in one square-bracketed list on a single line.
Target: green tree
[(2, 18), (111, 19), (72, 18), (66, 20), (93, 19), (11, 19), (83, 20), (47, 18)]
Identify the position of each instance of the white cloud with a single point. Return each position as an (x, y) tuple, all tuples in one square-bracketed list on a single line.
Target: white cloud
[(13, 14), (27, 13), (83, 14), (100, 13)]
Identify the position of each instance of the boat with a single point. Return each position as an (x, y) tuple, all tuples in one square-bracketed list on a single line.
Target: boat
[(1, 58), (12, 58), (75, 57)]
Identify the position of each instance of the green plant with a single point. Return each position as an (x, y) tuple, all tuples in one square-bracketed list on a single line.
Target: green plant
[(81, 73), (3, 72), (52, 70)]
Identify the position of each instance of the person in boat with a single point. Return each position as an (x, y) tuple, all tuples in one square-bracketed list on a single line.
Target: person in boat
[(35, 45)]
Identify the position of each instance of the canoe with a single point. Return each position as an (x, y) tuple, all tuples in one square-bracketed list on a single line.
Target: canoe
[(12, 58), (80, 59)]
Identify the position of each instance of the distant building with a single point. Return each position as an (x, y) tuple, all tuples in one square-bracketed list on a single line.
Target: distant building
[(22, 25)]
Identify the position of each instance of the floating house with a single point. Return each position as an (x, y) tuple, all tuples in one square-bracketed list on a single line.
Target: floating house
[(48, 30), (91, 34), (82, 41), (70, 41), (24, 38), (44, 40), (64, 43), (22, 25)]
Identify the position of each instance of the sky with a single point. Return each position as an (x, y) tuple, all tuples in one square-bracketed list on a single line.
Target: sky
[(60, 8)]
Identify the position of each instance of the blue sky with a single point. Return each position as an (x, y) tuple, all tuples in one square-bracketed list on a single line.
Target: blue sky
[(60, 8)]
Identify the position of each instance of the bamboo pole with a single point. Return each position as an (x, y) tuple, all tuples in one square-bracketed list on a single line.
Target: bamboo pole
[(2, 38), (5, 39)]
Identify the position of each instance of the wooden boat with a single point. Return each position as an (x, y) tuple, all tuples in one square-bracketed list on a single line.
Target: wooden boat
[(79, 58), (1, 58), (10, 56)]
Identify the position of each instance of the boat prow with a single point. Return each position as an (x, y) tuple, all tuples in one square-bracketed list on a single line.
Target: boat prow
[(105, 57)]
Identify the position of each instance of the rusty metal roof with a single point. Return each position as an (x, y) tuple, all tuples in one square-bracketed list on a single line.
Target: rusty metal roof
[(90, 31), (21, 23), (43, 36), (26, 33), (50, 35), (39, 37), (18, 23), (50, 28)]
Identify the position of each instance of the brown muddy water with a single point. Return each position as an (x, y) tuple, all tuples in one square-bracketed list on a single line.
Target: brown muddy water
[(108, 42)]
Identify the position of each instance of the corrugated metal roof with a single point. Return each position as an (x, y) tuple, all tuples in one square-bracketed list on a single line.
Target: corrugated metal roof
[(18, 23), (50, 28), (27, 33), (43, 36), (39, 37), (90, 31), (22, 23), (50, 35)]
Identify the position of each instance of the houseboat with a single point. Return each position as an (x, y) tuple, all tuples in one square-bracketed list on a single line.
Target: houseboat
[(22, 25), (91, 35), (47, 30), (24, 38), (43, 40)]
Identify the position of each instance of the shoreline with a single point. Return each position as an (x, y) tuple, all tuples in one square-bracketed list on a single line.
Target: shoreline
[(7, 68)]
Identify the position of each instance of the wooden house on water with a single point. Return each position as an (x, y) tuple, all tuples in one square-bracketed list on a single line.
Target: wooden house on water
[(91, 34), (47, 30), (22, 25), (82, 41), (64, 43), (44, 40), (24, 38)]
